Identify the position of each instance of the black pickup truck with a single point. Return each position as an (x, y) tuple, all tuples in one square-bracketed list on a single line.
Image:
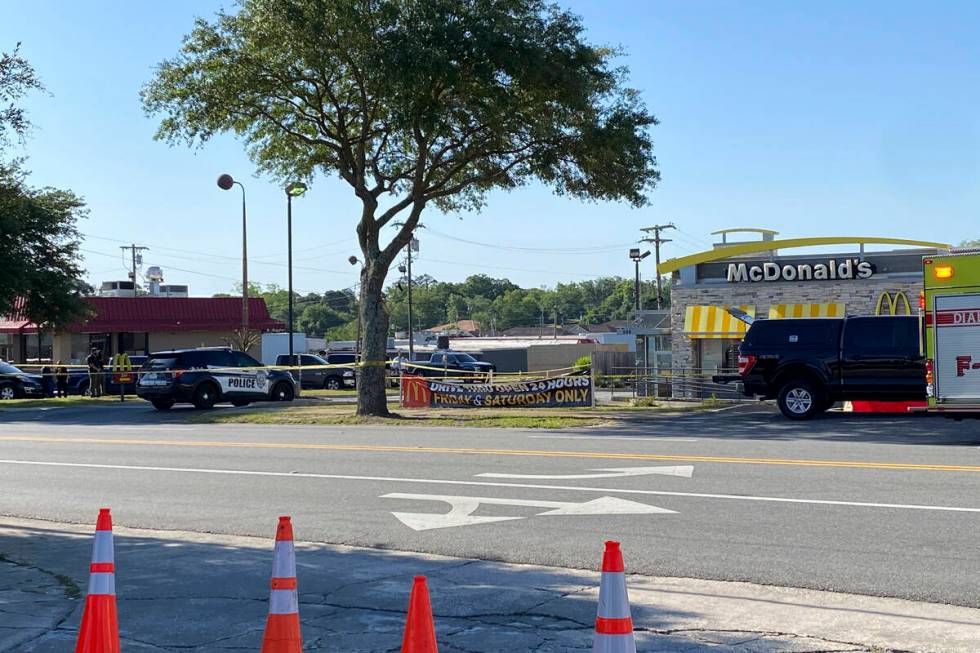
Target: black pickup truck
[(807, 365), (452, 364)]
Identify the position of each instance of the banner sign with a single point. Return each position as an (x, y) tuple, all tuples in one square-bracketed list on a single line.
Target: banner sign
[(561, 392)]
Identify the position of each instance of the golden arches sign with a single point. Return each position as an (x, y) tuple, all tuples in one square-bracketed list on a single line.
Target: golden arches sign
[(889, 303)]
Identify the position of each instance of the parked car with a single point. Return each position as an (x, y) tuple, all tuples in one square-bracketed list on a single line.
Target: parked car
[(807, 365), (446, 363), (207, 376), (78, 381), (328, 378), (16, 384)]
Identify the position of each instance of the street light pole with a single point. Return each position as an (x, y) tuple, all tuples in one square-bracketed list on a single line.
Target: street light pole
[(411, 337), (353, 260), (636, 256), (225, 182), (294, 189)]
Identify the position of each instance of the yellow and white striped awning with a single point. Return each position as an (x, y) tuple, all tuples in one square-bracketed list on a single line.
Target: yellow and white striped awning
[(714, 322), (782, 311)]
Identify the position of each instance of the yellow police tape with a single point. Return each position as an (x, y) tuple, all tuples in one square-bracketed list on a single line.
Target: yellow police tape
[(499, 377)]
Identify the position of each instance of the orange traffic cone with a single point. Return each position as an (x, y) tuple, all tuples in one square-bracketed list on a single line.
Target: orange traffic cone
[(613, 623), (282, 628), (420, 629), (99, 632)]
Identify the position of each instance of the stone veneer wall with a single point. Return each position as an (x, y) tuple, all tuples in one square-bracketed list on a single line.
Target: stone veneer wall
[(859, 296)]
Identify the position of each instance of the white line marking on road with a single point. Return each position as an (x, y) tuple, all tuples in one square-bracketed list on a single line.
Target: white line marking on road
[(569, 488), (609, 437), (463, 508), (611, 472)]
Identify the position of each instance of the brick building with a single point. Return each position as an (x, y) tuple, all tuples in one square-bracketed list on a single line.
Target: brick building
[(760, 278)]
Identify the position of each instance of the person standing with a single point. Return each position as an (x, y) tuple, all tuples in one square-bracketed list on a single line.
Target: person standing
[(61, 380), (96, 382), (47, 382)]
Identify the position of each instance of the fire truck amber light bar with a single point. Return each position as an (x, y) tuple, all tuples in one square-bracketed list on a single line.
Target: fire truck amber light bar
[(943, 271)]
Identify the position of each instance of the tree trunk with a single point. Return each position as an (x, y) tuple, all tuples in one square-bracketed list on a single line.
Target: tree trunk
[(371, 384)]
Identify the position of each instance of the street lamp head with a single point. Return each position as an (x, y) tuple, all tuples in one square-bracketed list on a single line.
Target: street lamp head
[(635, 253), (225, 182), (644, 255), (353, 260), (295, 188)]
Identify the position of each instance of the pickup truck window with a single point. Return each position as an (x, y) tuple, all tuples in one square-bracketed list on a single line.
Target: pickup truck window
[(876, 335), (775, 333)]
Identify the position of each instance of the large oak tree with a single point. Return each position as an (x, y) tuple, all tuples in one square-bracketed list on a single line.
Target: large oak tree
[(413, 103)]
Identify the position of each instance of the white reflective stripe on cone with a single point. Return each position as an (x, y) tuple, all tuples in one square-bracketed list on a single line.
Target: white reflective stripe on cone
[(613, 602), (283, 602), (102, 547), (614, 644), (101, 583), (284, 561)]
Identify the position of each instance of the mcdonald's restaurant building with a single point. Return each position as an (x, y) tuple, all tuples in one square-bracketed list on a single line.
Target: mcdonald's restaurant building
[(772, 283)]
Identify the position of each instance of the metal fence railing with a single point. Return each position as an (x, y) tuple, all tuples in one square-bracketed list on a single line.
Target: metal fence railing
[(677, 383)]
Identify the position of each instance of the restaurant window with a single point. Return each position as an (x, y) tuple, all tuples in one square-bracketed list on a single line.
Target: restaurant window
[(31, 351), (102, 342), (718, 355), (134, 344), (78, 348)]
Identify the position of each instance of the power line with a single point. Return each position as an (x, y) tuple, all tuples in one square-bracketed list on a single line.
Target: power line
[(557, 250)]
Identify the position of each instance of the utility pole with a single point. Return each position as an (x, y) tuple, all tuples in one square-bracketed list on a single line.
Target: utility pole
[(657, 242), (135, 253), (412, 244)]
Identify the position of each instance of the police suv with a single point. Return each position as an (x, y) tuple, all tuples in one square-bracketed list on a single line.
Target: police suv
[(206, 376)]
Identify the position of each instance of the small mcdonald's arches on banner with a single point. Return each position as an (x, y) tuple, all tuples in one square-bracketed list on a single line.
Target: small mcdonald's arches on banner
[(560, 392)]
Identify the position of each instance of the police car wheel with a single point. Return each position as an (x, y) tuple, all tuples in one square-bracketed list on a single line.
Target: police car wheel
[(282, 392), (205, 396)]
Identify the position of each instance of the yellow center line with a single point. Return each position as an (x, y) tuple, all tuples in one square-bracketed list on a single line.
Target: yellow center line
[(502, 452)]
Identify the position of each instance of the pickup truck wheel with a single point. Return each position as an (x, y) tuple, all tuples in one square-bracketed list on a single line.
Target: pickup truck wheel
[(799, 400)]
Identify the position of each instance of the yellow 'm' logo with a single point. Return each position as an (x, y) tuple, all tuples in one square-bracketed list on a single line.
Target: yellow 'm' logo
[(889, 303)]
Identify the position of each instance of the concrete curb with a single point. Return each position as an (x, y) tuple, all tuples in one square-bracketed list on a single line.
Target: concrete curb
[(353, 599)]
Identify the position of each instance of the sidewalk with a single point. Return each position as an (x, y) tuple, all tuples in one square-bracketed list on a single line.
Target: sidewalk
[(198, 592)]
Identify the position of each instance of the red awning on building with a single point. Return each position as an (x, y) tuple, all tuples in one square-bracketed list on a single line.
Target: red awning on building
[(167, 314)]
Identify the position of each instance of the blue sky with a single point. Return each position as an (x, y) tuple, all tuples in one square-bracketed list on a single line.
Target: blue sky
[(813, 119)]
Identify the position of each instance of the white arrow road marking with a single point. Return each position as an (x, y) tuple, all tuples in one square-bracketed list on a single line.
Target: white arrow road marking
[(463, 508), (611, 472)]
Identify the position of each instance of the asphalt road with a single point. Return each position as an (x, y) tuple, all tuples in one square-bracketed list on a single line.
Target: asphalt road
[(876, 505)]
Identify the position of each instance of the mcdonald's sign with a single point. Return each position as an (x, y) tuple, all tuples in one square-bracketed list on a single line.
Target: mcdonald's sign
[(889, 303), (415, 392)]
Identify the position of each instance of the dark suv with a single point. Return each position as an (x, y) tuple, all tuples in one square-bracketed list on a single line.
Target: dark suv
[(807, 365), (206, 376), (15, 384)]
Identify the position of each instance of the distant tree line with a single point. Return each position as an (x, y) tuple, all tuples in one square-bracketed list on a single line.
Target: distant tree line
[(494, 304)]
